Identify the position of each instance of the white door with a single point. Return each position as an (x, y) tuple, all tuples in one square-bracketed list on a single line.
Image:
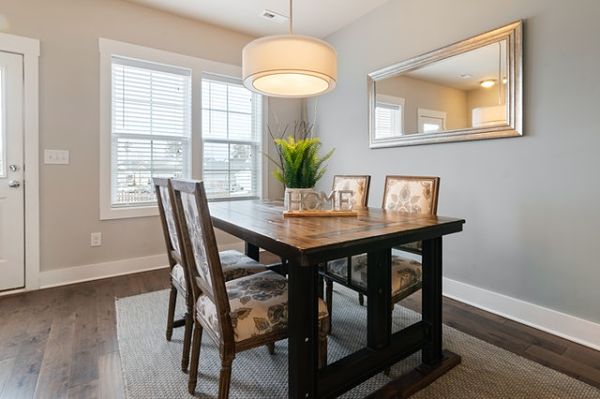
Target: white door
[(12, 218)]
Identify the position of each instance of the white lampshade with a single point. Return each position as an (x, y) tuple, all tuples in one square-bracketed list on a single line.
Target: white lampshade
[(289, 66)]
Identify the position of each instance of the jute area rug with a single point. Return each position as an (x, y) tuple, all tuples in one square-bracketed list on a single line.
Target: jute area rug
[(151, 365)]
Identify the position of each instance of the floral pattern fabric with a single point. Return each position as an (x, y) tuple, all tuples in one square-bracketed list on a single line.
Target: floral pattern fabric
[(234, 263), (407, 195), (357, 184), (194, 227), (406, 273), (170, 217), (258, 305)]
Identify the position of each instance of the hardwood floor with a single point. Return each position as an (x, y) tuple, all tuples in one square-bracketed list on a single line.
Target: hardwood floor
[(62, 342)]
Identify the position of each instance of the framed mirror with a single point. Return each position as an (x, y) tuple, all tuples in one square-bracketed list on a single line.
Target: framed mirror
[(471, 90)]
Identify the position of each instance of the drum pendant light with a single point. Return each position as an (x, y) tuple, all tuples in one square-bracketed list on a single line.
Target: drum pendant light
[(289, 65)]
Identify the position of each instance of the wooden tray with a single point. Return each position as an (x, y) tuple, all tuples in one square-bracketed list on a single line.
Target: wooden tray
[(305, 214)]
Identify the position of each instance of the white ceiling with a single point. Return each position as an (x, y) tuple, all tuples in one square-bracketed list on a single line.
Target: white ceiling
[(480, 64), (311, 17)]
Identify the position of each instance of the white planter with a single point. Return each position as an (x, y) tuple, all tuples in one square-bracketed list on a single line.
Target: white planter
[(297, 194)]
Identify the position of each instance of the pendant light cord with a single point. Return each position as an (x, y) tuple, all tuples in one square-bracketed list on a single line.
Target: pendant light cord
[(290, 22)]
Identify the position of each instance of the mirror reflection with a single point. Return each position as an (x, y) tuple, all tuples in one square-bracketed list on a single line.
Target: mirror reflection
[(468, 90)]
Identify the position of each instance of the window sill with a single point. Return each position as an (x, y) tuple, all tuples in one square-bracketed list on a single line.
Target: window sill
[(128, 213)]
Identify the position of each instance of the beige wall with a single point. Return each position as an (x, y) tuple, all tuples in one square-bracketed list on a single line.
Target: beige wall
[(531, 203), (69, 114), (422, 94)]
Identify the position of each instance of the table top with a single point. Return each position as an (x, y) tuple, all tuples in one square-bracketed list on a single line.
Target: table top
[(262, 223)]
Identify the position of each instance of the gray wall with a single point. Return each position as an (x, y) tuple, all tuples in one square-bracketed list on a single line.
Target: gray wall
[(69, 115), (531, 203)]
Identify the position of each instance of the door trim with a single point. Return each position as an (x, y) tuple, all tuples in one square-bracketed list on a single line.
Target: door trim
[(30, 50)]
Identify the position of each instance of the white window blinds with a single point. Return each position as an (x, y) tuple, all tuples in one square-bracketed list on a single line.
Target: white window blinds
[(388, 120), (151, 128), (231, 133)]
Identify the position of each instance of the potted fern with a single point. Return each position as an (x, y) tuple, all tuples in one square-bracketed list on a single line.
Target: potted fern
[(299, 166)]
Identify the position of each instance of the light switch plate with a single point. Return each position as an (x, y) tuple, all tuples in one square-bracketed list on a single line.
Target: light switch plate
[(56, 157)]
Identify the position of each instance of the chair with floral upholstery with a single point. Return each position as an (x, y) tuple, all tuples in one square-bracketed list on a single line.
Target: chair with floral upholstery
[(409, 194), (237, 315), (235, 265)]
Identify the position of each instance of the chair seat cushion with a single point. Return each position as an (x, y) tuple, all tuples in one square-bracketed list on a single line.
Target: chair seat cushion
[(234, 264), (258, 305), (406, 273)]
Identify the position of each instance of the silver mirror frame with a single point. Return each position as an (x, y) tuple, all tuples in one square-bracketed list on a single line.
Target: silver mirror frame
[(513, 34)]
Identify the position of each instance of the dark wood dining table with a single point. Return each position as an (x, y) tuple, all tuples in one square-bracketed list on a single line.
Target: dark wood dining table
[(307, 243)]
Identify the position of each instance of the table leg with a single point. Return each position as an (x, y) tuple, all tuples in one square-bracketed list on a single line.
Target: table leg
[(379, 302), (432, 300), (302, 330), (252, 251)]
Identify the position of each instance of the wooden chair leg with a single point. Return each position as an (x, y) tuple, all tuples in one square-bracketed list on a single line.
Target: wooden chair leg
[(328, 300), (361, 299), (187, 340), (196, 344), (225, 378), (271, 348), (171, 312), (323, 331)]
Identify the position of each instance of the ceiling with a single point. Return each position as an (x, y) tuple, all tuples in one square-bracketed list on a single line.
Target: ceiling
[(311, 17), (479, 64)]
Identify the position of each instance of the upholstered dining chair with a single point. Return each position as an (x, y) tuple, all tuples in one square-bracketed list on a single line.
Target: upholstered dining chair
[(339, 271), (237, 315), (409, 194), (235, 264)]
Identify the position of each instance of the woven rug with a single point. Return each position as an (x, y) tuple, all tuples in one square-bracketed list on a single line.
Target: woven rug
[(151, 365)]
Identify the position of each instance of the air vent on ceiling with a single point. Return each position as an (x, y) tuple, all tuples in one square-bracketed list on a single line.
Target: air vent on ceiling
[(273, 16)]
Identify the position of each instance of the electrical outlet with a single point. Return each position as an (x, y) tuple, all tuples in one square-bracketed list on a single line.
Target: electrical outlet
[(96, 239)]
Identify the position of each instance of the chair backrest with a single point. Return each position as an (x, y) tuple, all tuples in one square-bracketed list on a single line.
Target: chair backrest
[(168, 218), (412, 194), (359, 184), (201, 254)]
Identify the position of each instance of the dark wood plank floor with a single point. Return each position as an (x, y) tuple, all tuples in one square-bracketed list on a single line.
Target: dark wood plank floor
[(62, 342)]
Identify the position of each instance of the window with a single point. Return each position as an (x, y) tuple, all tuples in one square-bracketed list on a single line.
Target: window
[(2, 138), (231, 134), (389, 114), (150, 129), (431, 121)]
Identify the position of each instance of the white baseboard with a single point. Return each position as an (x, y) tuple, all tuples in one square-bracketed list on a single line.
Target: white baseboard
[(79, 274), (573, 328)]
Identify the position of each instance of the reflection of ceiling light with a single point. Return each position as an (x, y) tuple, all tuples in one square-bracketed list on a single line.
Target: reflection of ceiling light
[(289, 65), (504, 80), (486, 84), (466, 76)]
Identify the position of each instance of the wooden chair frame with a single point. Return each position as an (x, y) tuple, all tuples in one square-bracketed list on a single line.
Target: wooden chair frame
[(217, 293), (174, 257)]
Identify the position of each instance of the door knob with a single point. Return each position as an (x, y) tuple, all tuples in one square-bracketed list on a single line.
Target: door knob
[(14, 184), (13, 168)]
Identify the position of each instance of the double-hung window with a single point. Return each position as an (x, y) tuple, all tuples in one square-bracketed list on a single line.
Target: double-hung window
[(232, 126), (150, 128)]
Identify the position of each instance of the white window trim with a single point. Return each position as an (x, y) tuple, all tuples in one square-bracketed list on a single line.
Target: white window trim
[(430, 113), (109, 48), (393, 100), (30, 49)]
